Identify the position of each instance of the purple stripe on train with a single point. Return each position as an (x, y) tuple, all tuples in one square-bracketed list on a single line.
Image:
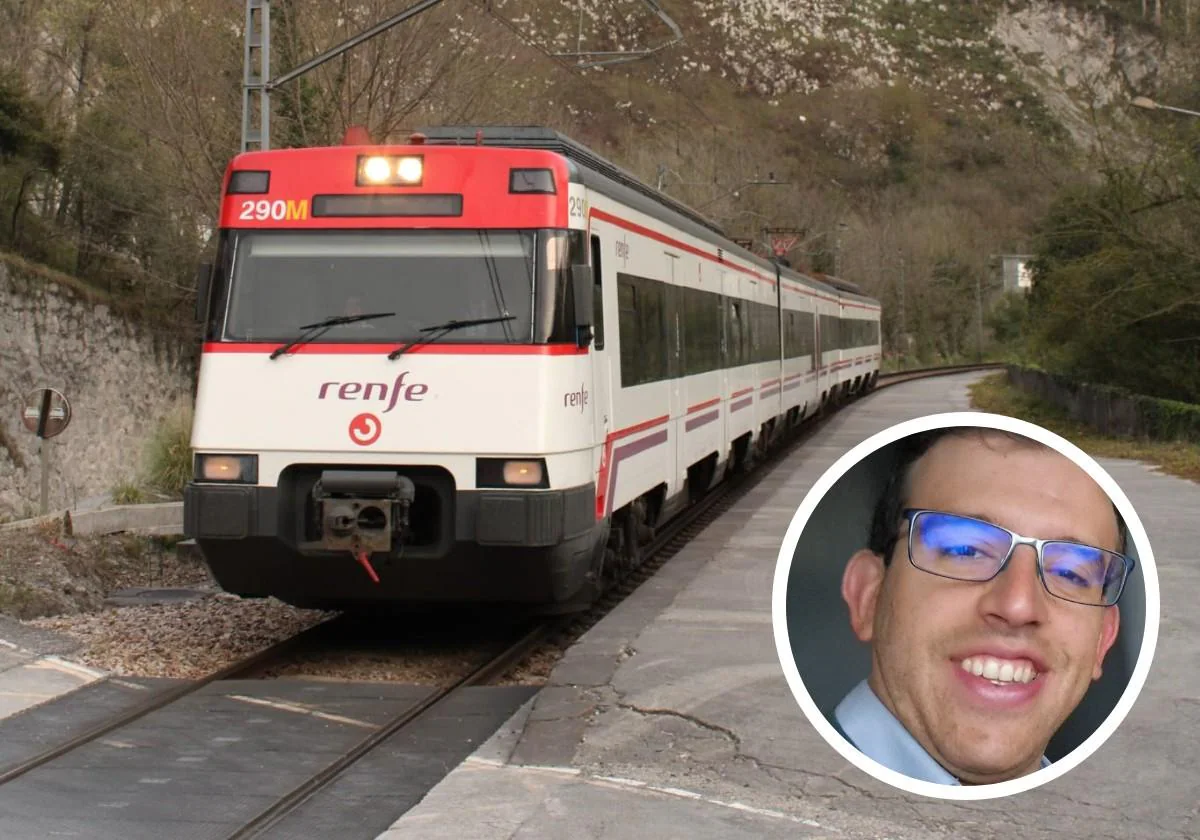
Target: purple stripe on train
[(701, 420), (740, 404), (628, 451)]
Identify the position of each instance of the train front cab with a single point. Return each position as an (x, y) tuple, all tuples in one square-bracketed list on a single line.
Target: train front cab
[(391, 528)]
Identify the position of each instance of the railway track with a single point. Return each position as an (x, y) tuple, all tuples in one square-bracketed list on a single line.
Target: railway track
[(486, 671), (896, 378), (160, 699)]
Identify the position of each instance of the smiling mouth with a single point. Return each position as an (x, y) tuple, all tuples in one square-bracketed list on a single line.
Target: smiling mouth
[(1000, 671)]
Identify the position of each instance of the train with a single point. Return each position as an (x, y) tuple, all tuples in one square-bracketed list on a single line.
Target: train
[(483, 367)]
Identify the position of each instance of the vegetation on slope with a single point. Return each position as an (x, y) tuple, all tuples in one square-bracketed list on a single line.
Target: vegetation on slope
[(911, 142)]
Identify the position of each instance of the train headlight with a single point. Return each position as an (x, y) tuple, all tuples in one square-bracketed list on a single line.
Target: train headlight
[(410, 170), (501, 472), (239, 469), (377, 170), (523, 473), (390, 170)]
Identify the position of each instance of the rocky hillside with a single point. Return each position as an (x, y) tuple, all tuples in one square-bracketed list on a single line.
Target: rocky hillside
[(981, 56), (909, 139), (916, 138)]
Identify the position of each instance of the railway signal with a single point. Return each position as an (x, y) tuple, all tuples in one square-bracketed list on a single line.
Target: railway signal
[(46, 413)]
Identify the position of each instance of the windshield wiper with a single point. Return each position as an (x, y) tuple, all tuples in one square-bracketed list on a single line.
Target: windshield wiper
[(438, 330), (311, 331)]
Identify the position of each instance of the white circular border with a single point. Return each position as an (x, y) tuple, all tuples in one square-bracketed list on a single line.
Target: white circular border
[(784, 647)]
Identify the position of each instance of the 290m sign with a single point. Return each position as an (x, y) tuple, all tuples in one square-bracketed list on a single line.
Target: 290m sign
[(278, 210)]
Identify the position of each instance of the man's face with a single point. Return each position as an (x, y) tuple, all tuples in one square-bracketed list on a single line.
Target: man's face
[(922, 626)]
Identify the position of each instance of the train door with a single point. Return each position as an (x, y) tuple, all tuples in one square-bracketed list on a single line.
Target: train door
[(600, 355)]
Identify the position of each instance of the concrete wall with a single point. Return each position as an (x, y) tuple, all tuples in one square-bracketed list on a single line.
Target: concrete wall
[(1111, 411), (120, 376)]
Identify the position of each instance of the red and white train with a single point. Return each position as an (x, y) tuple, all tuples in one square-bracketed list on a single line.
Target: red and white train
[(482, 367)]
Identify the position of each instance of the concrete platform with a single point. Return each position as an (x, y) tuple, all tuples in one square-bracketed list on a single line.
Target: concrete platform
[(672, 718), (32, 671)]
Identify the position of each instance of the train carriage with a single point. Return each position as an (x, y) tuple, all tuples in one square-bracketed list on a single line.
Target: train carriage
[(482, 367)]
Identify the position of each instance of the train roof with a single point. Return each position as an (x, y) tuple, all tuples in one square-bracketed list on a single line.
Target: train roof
[(596, 172)]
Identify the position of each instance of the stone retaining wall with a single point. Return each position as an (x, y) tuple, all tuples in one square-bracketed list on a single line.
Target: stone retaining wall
[(121, 378)]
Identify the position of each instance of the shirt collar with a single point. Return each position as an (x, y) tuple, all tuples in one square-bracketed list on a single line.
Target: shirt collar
[(875, 731)]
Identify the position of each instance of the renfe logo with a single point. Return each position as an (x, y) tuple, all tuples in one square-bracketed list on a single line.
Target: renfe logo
[(365, 390), (573, 398), (365, 429)]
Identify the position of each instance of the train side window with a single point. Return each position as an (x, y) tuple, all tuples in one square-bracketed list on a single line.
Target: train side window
[(656, 334), (692, 330), (673, 329), (723, 326), (776, 332), (736, 327), (627, 321), (712, 306), (597, 294)]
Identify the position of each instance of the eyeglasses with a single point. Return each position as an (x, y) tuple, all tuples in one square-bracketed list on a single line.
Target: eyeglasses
[(963, 548)]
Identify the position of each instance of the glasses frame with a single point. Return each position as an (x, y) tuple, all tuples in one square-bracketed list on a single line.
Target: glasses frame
[(910, 515)]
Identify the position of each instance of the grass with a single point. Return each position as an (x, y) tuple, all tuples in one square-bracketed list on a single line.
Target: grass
[(995, 394), (127, 493), (169, 453), (23, 602)]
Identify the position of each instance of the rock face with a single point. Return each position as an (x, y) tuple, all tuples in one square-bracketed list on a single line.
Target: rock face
[(1077, 61), (122, 379)]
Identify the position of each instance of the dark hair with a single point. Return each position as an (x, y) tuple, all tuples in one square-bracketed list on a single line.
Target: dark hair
[(885, 523)]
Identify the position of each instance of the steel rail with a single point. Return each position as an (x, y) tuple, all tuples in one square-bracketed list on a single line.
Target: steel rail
[(163, 698), (493, 667)]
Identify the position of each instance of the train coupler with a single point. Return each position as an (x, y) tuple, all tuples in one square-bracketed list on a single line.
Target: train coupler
[(363, 512)]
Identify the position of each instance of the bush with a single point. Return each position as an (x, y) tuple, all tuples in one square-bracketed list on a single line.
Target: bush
[(127, 493), (169, 455)]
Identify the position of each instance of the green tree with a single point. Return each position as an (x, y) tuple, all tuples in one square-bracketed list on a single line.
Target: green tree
[(1116, 297), (28, 150)]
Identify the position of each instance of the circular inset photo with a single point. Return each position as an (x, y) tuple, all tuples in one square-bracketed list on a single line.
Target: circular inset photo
[(965, 606)]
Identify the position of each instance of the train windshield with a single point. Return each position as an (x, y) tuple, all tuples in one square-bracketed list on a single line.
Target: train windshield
[(273, 282)]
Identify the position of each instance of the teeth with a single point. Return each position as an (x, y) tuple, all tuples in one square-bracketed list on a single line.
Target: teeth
[(1000, 671)]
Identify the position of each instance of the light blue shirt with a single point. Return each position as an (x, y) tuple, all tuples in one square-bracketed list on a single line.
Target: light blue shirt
[(876, 732)]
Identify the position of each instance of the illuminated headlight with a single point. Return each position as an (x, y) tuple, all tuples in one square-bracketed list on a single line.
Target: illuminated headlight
[(393, 170), (498, 472), (377, 169), (523, 473), (410, 170), (242, 469)]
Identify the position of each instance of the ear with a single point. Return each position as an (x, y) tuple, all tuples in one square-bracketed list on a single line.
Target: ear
[(861, 583), (1108, 634)]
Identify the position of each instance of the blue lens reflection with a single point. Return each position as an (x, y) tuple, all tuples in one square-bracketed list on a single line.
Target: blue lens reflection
[(955, 546), (1079, 571)]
